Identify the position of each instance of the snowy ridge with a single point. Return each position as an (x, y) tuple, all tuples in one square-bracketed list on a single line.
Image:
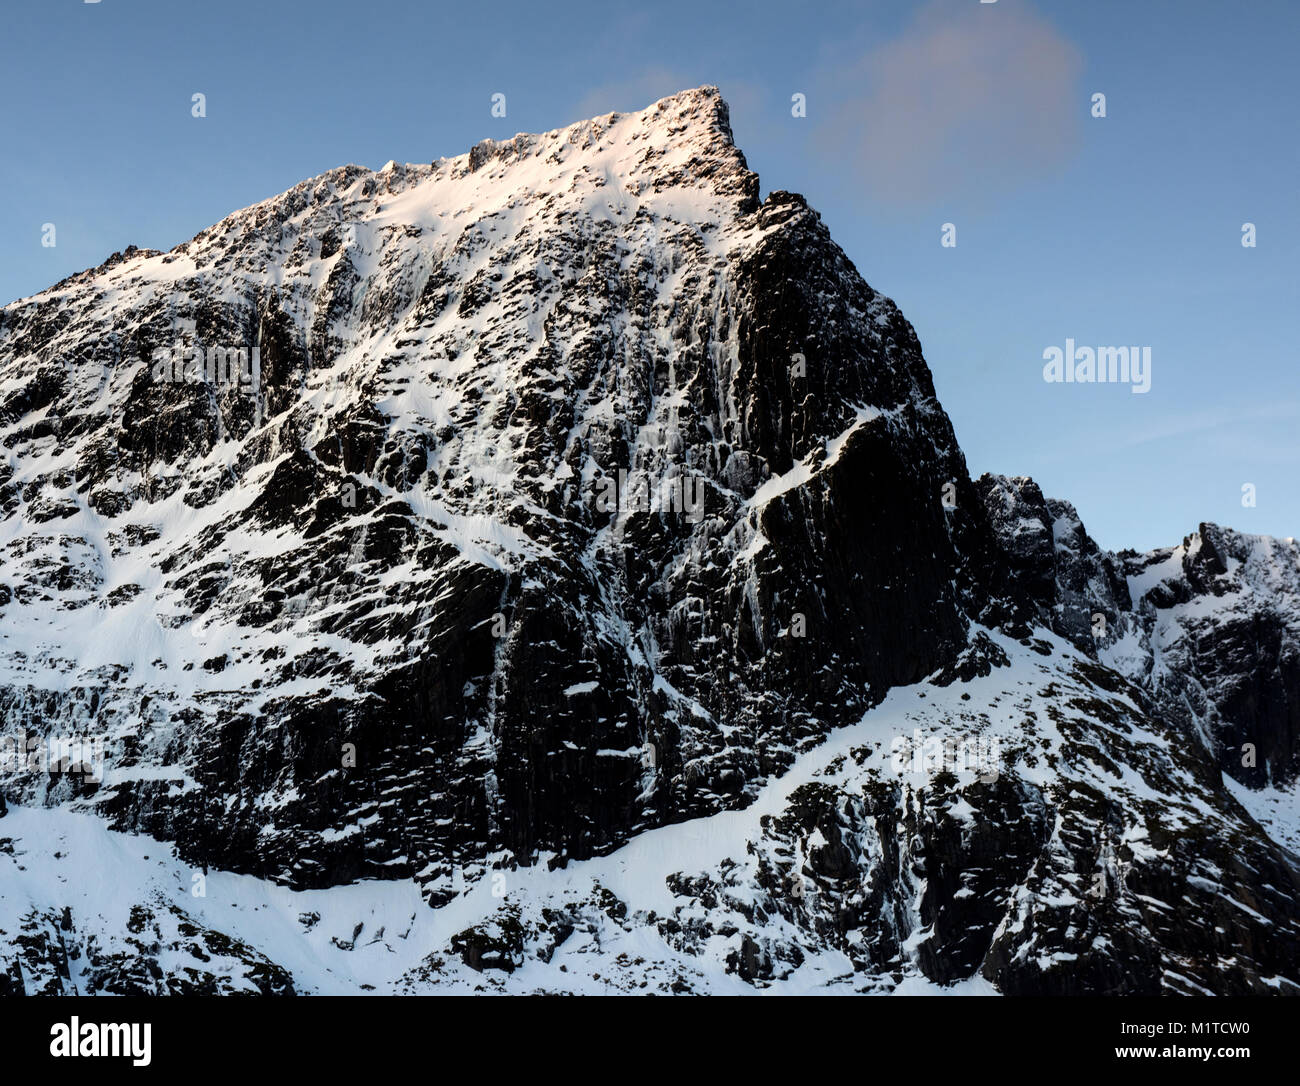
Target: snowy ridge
[(1210, 628)]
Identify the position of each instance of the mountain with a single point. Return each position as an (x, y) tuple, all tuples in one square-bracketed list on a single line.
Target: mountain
[(550, 569), (1210, 629)]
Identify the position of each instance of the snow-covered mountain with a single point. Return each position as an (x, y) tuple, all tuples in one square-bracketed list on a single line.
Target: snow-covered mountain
[(575, 584), (1210, 628)]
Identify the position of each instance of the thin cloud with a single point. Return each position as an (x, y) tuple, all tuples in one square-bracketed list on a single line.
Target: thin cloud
[(1210, 421), (971, 99)]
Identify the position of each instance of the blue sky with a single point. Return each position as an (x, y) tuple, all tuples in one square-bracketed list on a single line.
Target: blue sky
[(1123, 230)]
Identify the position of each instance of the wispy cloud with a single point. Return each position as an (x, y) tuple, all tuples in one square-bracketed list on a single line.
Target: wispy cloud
[(970, 99), (1212, 420)]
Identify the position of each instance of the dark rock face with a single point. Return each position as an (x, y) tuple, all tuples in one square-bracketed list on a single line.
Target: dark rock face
[(1053, 570), (519, 503), (1210, 628)]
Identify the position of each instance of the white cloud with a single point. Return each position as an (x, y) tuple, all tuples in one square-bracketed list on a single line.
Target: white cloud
[(971, 98)]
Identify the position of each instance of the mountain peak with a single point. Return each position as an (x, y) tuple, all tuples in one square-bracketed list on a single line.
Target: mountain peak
[(458, 361), (683, 140)]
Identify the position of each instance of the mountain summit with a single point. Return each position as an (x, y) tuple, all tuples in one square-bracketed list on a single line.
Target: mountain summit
[(571, 543)]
